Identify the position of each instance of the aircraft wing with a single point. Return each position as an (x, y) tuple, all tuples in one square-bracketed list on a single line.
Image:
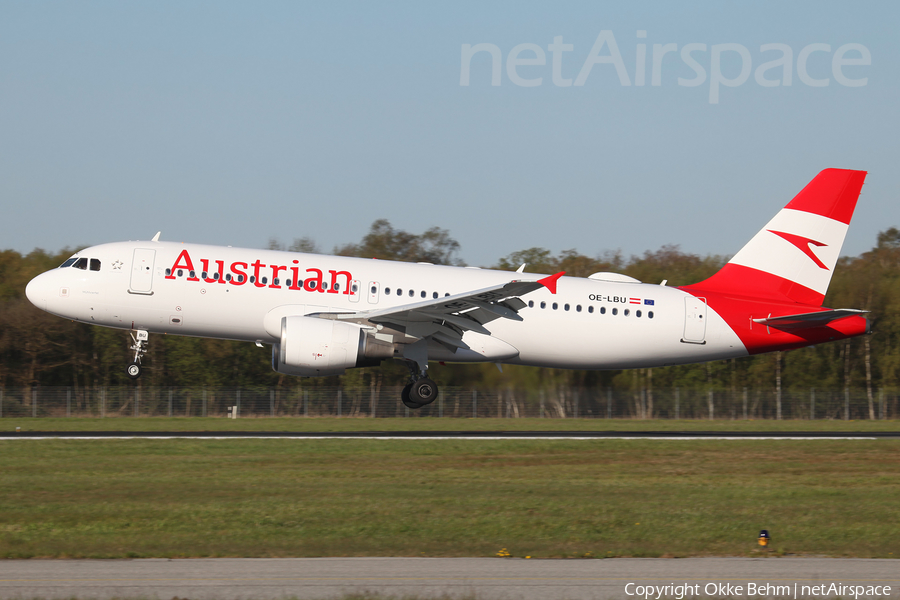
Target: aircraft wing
[(446, 319), (809, 320)]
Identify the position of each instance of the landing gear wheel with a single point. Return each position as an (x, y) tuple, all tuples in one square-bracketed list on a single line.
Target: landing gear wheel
[(423, 391), (405, 399), (133, 370)]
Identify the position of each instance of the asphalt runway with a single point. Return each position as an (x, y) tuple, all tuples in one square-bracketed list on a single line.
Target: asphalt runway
[(460, 435), (470, 578)]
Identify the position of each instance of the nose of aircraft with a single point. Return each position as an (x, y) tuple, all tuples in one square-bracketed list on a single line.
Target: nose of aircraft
[(37, 291)]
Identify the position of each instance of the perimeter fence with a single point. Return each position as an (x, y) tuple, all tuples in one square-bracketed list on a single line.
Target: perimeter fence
[(608, 403)]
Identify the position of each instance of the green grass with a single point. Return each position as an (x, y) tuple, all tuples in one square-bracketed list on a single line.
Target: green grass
[(192, 498), (429, 424)]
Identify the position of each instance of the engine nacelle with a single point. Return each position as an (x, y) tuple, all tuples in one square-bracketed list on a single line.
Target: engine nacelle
[(312, 347)]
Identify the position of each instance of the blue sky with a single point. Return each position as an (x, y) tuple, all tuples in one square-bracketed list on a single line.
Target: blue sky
[(231, 123)]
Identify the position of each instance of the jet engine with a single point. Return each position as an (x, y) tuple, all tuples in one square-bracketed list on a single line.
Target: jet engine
[(312, 347)]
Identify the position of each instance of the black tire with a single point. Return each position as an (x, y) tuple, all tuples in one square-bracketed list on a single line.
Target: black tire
[(405, 399), (133, 370), (424, 391)]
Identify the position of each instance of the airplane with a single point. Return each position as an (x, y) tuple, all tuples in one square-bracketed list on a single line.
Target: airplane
[(325, 314)]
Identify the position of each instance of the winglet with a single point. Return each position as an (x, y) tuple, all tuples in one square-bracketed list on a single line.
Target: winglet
[(156, 237), (550, 282)]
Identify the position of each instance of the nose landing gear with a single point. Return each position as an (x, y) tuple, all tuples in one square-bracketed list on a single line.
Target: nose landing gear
[(140, 339)]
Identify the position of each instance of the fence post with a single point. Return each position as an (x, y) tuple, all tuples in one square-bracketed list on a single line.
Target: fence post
[(136, 400), (677, 403), (542, 404), (68, 401), (609, 403), (271, 403), (474, 403), (1, 404), (305, 403), (643, 403), (170, 402), (237, 403), (440, 403), (711, 406), (744, 400), (575, 399), (372, 404), (34, 402), (102, 401), (339, 403), (880, 403), (812, 404), (847, 403), (204, 401)]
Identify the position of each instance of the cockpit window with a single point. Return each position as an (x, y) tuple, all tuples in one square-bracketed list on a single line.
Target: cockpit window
[(95, 264), (81, 263), (68, 263)]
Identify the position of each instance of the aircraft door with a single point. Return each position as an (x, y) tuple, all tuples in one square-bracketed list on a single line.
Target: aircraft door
[(142, 271), (694, 320), (374, 290)]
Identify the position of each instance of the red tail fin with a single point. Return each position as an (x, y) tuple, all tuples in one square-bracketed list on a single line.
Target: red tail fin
[(793, 256)]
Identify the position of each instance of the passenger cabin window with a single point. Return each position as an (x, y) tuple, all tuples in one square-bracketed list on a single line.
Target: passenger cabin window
[(81, 263)]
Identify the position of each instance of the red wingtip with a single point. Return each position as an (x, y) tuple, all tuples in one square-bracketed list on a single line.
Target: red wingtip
[(550, 282)]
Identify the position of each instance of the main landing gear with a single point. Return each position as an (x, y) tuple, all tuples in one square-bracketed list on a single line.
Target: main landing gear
[(421, 390), (140, 339)]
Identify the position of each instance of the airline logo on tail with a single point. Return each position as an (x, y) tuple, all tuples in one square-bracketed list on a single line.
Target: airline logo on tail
[(803, 244)]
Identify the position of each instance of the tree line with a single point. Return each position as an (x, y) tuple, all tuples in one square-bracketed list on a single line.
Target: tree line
[(38, 349)]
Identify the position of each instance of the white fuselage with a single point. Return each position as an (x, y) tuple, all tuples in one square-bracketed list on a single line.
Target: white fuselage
[(587, 324)]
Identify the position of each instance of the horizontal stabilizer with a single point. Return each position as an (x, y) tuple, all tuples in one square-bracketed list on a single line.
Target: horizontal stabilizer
[(809, 320)]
